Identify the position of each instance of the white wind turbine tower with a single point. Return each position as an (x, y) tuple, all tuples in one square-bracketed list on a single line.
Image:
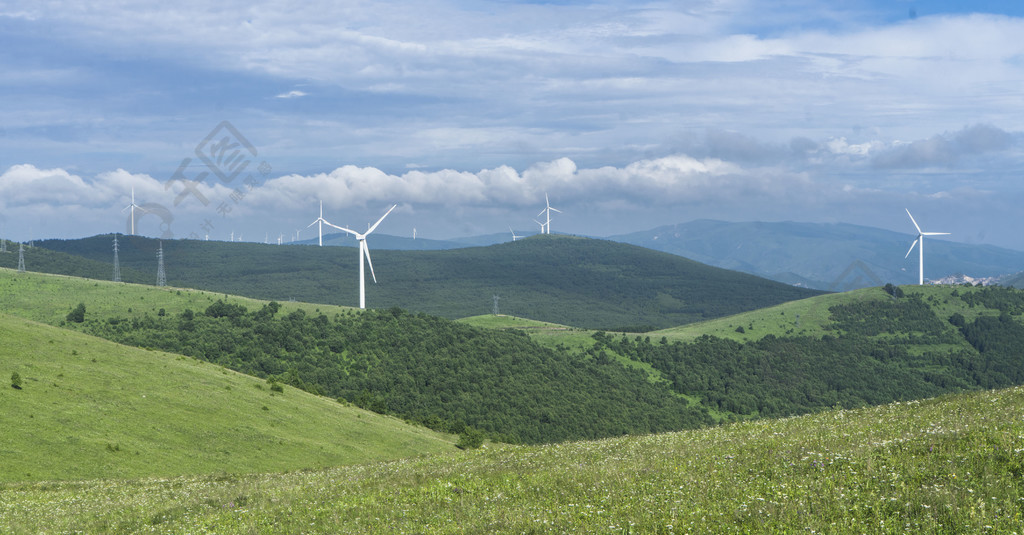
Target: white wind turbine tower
[(919, 242), (547, 210), (364, 251), (541, 225), (514, 237), (132, 208), (320, 222)]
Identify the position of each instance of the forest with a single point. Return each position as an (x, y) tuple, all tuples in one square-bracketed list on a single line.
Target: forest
[(422, 368), (454, 377), (876, 352)]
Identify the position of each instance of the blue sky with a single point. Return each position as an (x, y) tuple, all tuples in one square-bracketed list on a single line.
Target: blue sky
[(629, 115)]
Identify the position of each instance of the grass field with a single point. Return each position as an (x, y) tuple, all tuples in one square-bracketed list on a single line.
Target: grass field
[(947, 465), (88, 408), (805, 317), (48, 298)]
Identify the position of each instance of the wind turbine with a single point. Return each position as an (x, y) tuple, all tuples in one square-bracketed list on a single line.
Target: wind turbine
[(132, 207), (541, 225), (547, 210), (364, 251), (320, 220), (514, 237), (919, 242)]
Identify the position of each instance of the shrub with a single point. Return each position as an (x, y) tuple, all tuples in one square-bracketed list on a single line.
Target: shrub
[(470, 439), (78, 314), (16, 381)]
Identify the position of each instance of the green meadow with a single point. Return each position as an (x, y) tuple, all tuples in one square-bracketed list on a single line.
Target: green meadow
[(953, 464), (48, 298), (88, 408), (104, 438)]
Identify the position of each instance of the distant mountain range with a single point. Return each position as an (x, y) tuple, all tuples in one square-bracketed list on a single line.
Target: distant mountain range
[(827, 256), (824, 256)]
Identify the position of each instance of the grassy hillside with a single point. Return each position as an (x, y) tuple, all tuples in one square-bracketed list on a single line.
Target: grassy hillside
[(813, 317), (48, 299), (804, 317), (573, 281), (88, 408), (449, 376), (853, 349), (946, 465)]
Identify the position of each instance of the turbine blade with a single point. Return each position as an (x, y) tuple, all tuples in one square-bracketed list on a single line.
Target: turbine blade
[(313, 223), (554, 209), (542, 212), (350, 231), (369, 230), (912, 221), (912, 247), (366, 252), (935, 233)]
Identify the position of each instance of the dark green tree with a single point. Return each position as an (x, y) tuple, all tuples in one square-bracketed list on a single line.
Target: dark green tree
[(78, 314), (16, 381), (470, 439)]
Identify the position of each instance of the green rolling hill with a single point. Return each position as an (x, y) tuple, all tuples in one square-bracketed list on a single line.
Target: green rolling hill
[(946, 465), (851, 349), (449, 376), (89, 408), (483, 374), (575, 281)]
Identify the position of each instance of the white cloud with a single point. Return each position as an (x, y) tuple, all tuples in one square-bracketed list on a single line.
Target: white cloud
[(655, 181), (843, 147), (292, 94)]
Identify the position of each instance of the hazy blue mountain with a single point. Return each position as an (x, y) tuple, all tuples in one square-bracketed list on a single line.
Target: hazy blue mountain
[(829, 256)]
